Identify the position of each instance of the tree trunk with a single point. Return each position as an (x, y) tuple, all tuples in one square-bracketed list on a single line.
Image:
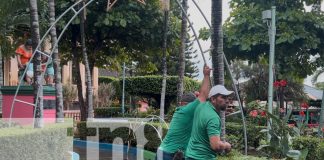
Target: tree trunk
[(89, 91), (1, 77), (164, 50), (217, 51), (57, 66), (38, 86), (77, 75), (184, 27), (321, 122)]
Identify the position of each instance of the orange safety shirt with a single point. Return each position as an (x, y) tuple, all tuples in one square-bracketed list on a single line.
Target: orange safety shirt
[(24, 55)]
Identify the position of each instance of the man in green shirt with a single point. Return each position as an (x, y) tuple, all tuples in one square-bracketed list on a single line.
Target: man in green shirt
[(179, 132), (206, 128)]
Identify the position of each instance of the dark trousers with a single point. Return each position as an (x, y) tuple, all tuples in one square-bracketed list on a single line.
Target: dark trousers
[(162, 155)]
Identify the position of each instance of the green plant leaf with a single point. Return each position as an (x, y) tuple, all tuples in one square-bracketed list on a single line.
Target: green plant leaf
[(262, 146), (294, 154), (286, 118), (264, 130), (123, 22)]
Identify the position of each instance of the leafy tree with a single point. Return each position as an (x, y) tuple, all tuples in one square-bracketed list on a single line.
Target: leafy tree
[(190, 55), (112, 41), (256, 86), (127, 33), (13, 22), (299, 35)]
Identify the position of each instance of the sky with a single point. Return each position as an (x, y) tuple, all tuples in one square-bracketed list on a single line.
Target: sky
[(198, 22)]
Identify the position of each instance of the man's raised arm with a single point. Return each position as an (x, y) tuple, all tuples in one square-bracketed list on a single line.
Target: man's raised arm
[(205, 86)]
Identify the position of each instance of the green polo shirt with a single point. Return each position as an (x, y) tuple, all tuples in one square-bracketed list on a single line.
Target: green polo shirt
[(206, 123), (180, 128)]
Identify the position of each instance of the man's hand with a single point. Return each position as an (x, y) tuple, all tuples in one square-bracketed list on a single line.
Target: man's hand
[(228, 147), (206, 71), (205, 86)]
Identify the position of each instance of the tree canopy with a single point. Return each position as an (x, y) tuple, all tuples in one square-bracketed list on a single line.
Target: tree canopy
[(130, 32), (299, 37)]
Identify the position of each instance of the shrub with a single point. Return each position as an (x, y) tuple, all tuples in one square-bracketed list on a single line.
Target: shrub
[(4, 124), (320, 150), (106, 79), (108, 136), (236, 155), (50, 143), (314, 145), (151, 85), (105, 93), (70, 93), (253, 133), (107, 112)]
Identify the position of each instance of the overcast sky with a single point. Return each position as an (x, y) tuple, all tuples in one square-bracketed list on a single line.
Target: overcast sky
[(198, 22)]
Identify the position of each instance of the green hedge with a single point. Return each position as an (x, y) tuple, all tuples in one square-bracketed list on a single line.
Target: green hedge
[(109, 112), (235, 134), (314, 145), (107, 136), (151, 85), (106, 79), (50, 143), (105, 112)]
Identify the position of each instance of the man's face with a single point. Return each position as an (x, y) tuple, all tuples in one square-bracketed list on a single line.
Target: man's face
[(220, 102), (29, 47)]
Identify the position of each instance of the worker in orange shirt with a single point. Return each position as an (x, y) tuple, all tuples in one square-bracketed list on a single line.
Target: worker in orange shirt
[(24, 53)]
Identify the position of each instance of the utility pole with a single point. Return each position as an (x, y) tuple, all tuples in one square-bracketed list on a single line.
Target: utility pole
[(269, 16)]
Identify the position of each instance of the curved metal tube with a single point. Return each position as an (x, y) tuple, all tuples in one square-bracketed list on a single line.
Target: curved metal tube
[(193, 30), (234, 86), (38, 46)]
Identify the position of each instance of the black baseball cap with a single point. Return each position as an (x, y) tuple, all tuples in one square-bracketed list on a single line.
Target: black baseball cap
[(188, 97)]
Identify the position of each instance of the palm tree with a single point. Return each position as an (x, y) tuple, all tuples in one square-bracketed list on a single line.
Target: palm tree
[(38, 86), (217, 51), (321, 122), (164, 50), (184, 26), (57, 67), (89, 91)]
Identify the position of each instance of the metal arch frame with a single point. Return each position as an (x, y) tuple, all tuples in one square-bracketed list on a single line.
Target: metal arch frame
[(71, 8), (69, 22), (226, 63)]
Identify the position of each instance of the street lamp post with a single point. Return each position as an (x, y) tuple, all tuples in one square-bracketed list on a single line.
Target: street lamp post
[(123, 94), (269, 16)]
